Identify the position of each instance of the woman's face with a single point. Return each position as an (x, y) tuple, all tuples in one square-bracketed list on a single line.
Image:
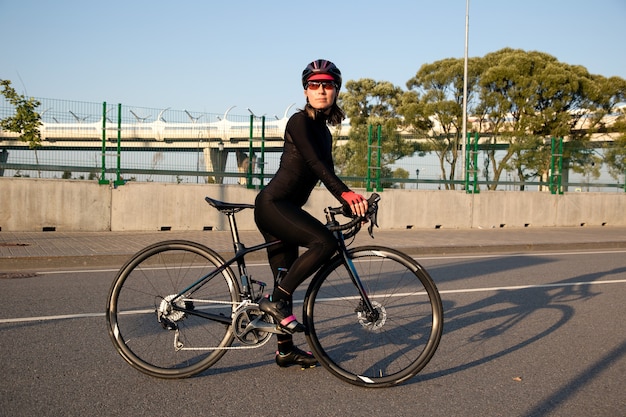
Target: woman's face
[(321, 94)]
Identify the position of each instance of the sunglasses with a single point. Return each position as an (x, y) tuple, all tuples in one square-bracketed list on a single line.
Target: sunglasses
[(326, 85)]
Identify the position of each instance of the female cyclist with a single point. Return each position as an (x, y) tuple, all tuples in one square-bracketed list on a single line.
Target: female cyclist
[(306, 160)]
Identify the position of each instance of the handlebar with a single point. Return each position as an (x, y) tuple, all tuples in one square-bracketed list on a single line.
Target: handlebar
[(357, 221)]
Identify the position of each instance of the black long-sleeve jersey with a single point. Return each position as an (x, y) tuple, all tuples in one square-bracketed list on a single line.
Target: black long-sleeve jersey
[(306, 159)]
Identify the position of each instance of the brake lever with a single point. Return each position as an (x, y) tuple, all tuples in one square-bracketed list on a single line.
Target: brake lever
[(373, 221)]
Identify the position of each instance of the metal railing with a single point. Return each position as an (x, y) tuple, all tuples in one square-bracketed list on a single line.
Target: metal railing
[(113, 144)]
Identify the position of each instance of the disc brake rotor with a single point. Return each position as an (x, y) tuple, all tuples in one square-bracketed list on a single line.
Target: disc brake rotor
[(368, 322)]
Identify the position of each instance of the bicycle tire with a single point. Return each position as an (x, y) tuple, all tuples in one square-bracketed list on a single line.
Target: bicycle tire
[(145, 339), (385, 352)]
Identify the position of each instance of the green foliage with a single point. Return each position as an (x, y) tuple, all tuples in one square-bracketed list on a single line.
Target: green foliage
[(440, 88), (519, 98), (26, 120), (615, 154), (516, 97), (371, 103), (528, 97)]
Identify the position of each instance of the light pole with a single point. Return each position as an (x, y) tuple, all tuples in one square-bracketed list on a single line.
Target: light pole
[(464, 128)]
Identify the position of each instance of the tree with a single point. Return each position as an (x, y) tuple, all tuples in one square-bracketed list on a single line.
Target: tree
[(26, 120), (615, 154), (608, 96), (528, 97), (519, 99), (441, 100), (368, 102)]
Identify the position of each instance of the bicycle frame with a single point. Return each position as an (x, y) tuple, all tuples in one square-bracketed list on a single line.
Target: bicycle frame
[(247, 290)]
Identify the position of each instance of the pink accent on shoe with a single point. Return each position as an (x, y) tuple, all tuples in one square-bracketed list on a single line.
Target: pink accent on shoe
[(288, 320)]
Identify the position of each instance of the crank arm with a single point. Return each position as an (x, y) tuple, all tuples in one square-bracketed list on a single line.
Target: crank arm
[(258, 324)]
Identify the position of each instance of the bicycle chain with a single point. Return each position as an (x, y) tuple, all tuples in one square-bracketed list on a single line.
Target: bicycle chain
[(218, 347), (238, 305)]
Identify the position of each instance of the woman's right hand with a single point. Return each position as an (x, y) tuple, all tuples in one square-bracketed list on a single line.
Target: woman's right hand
[(356, 202)]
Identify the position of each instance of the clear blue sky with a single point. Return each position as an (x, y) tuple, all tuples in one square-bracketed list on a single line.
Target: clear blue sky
[(206, 56)]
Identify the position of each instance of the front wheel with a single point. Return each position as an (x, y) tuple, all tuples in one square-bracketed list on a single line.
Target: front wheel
[(378, 348), (144, 316)]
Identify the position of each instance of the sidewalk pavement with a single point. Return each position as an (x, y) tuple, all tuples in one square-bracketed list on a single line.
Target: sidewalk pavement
[(36, 251)]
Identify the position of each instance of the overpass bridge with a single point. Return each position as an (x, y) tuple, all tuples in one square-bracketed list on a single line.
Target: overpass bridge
[(219, 131), (214, 138)]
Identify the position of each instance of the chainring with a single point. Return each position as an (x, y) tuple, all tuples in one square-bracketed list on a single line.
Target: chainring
[(243, 325)]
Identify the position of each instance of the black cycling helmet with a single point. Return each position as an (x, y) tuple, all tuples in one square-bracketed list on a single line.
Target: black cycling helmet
[(320, 68)]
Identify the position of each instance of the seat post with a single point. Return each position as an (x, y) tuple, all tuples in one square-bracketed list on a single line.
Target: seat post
[(234, 232)]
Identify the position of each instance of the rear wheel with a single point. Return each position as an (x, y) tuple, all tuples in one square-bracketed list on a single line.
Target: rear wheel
[(143, 319), (380, 348)]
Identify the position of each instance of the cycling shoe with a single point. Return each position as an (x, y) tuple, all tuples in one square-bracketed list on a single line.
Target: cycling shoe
[(296, 357), (282, 313)]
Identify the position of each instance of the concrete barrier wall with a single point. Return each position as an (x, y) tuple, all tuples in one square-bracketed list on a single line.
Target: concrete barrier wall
[(28, 204), (34, 205)]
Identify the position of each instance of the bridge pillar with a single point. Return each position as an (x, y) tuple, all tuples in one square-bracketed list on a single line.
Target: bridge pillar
[(243, 162), (215, 161), (4, 157)]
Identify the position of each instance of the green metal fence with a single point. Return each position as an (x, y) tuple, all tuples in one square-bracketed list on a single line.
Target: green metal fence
[(115, 143)]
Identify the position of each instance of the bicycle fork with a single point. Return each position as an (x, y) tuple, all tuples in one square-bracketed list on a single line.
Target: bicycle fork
[(365, 305)]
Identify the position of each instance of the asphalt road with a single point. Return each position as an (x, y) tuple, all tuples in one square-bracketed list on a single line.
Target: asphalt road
[(526, 334)]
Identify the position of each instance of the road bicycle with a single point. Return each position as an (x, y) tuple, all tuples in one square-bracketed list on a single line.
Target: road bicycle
[(373, 315)]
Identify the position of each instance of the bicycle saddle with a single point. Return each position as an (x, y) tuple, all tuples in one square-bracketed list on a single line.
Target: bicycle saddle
[(224, 206)]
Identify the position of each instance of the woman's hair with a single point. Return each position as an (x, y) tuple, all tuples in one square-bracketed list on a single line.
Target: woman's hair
[(334, 117)]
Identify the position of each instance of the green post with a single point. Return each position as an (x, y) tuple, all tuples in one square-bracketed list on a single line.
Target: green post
[(103, 180), (471, 162), (467, 162), (379, 158), (368, 180), (560, 165), (551, 176), (476, 189), (556, 166), (262, 167), (119, 180), (250, 150)]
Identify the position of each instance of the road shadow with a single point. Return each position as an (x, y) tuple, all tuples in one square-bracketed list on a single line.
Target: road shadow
[(505, 311)]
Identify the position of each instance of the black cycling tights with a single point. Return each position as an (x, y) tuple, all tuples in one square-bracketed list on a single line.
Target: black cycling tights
[(295, 228)]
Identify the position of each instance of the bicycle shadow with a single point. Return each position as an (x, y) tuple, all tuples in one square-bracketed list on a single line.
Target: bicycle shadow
[(505, 311), (342, 338)]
